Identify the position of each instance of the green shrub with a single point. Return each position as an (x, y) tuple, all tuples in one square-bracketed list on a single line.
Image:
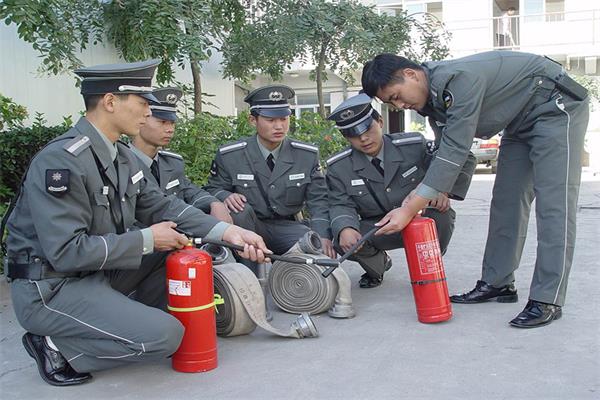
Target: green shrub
[(17, 147), (12, 114)]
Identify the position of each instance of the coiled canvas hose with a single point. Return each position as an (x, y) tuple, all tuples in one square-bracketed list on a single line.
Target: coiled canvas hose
[(244, 302), (300, 288)]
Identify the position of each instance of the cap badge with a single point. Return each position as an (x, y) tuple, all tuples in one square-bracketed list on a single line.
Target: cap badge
[(171, 98), (347, 114), (275, 96)]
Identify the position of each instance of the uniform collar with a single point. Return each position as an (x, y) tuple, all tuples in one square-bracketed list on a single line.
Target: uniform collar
[(265, 152), (147, 161), (112, 147), (379, 155)]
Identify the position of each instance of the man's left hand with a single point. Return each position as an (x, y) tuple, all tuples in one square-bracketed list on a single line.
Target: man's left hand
[(328, 248)]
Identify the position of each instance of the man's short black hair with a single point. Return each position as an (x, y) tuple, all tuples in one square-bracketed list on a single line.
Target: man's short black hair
[(382, 70), (91, 100)]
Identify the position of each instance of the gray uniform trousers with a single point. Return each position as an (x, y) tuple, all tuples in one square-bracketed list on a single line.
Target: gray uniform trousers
[(118, 317), (542, 160), (371, 255)]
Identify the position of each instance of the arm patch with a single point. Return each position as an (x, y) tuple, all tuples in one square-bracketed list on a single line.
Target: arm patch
[(57, 181)]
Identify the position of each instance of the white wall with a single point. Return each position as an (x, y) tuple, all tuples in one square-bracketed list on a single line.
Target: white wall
[(57, 96)]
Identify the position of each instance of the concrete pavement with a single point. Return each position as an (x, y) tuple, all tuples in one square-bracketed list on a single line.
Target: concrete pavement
[(384, 352)]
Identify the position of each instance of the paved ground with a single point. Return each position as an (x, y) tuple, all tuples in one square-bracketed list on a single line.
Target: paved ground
[(384, 352)]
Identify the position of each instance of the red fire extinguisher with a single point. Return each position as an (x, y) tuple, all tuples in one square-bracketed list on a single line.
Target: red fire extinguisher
[(191, 300), (426, 270)]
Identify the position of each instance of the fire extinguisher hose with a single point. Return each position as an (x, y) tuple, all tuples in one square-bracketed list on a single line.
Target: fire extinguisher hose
[(244, 306)]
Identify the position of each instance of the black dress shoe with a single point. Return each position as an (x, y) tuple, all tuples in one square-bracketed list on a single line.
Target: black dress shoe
[(367, 282), (53, 367), (536, 314), (484, 292)]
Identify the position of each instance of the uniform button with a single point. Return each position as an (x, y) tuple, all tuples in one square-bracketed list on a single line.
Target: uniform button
[(540, 82), (245, 185), (272, 186), (388, 190), (123, 199), (412, 179), (359, 192), (127, 230), (108, 204), (145, 250), (298, 184), (274, 207)]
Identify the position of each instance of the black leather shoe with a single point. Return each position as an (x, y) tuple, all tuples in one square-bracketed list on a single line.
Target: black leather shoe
[(387, 261), (484, 292), (367, 282), (536, 314), (53, 367)]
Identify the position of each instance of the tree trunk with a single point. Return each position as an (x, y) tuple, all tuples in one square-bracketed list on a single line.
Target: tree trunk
[(319, 78), (197, 86)]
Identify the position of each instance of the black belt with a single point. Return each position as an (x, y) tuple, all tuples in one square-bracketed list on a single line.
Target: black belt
[(36, 270), (283, 217)]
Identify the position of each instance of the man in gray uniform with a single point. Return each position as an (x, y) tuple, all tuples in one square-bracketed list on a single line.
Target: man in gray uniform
[(373, 176), (267, 178), (165, 168), (544, 115), (75, 258)]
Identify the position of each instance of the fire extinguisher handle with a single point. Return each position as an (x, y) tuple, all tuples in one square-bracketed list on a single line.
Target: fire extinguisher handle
[(350, 251)]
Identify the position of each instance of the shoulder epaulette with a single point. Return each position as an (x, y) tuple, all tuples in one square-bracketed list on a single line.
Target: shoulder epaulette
[(76, 145), (232, 147), (300, 145), (403, 138), (338, 156), (170, 154)]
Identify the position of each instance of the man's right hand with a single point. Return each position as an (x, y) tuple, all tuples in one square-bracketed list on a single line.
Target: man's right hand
[(166, 237), (348, 238), (235, 202), (254, 246)]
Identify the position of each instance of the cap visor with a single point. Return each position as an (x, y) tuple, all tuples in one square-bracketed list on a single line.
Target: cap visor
[(164, 115), (357, 130), (148, 96), (275, 112)]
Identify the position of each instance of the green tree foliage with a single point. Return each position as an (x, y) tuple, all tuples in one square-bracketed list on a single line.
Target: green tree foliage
[(12, 114), (336, 36), (176, 31)]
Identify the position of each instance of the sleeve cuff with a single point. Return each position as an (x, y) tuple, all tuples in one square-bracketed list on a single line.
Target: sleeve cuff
[(148, 241), (426, 191), (217, 231)]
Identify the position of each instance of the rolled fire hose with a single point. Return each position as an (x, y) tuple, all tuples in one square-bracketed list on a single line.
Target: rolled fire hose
[(244, 302), (298, 288)]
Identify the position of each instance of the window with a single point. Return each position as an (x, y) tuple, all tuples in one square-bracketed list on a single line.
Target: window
[(309, 102), (555, 10), (411, 7)]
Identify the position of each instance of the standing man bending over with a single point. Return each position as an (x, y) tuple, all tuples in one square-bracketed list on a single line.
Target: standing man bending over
[(544, 114), (165, 168)]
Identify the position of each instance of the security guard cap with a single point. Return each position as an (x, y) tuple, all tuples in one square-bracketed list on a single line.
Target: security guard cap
[(270, 101), (354, 116), (130, 78), (166, 106)]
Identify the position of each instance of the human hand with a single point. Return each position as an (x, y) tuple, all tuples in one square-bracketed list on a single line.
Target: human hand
[(441, 203), (328, 249), (395, 221), (166, 237), (348, 238), (254, 246), (235, 202), (219, 211)]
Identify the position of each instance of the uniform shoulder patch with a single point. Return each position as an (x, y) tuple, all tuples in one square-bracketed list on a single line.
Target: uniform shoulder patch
[(170, 154), (300, 145), (57, 181), (76, 145), (399, 139), (338, 156), (232, 147)]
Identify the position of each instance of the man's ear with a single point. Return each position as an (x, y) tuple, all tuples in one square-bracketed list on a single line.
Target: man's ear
[(108, 102), (409, 73), (252, 120)]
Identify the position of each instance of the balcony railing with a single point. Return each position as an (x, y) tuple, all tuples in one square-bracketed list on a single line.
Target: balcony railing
[(570, 32)]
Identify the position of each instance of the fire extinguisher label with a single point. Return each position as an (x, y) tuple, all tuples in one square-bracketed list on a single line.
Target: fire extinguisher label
[(429, 255), (180, 288)]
